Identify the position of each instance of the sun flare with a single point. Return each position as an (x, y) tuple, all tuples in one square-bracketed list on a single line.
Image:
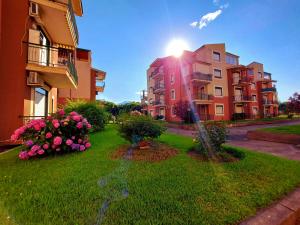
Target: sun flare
[(176, 47)]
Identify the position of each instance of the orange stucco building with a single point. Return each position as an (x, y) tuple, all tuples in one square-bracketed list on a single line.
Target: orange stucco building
[(90, 80), (215, 84), (38, 58)]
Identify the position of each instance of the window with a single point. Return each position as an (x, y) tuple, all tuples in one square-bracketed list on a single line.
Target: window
[(173, 111), (231, 60), (250, 72), (218, 73), (172, 78), (173, 97), (253, 86), (254, 98), (254, 110), (219, 109), (217, 56), (218, 91), (259, 75)]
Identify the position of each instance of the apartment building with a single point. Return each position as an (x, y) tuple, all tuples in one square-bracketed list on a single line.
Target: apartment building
[(38, 51), (213, 82), (90, 80)]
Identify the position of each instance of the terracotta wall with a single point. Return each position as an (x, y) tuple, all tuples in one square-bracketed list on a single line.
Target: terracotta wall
[(13, 89)]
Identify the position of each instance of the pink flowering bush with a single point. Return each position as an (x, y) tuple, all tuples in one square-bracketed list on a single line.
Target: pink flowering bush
[(58, 133)]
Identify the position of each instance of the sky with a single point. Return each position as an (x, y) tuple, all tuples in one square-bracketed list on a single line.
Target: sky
[(125, 36)]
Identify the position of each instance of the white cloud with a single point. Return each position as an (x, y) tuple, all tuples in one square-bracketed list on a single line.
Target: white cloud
[(225, 6), (206, 19), (194, 24)]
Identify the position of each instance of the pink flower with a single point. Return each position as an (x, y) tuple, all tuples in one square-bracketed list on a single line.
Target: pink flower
[(79, 140), (73, 113), (37, 127), (53, 146), (42, 124), (69, 142), (35, 148), (45, 146), (23, 155), (41, 152), (14, 137), (57, 140), (29, 143), (73, 137), (31, 153), (48, 135), (76, 118), (82, 148), (56, 125), (61, 112), (88, 145), (79, 125), (89, 126)]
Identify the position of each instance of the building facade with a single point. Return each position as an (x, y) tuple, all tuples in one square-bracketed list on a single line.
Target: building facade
[(38, 51), (213, 83), (90, 80)]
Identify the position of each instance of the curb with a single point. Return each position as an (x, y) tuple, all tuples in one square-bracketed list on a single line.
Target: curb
[(284, 212)]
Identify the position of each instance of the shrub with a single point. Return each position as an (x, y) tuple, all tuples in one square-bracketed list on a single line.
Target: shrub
[(58, 133), (238, 116), (136, 128), (290, 116), (96, 115), (216, 132)]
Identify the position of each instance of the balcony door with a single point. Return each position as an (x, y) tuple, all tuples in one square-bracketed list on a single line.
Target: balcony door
[(44, 51), (40, 102)]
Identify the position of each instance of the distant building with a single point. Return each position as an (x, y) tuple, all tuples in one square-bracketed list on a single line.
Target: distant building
[(90, 80), (214, 82)]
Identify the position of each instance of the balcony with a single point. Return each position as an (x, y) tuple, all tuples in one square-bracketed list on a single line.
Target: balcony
[(269, 102), (240, 81), (159, 103), (157, 72), (57, 16), (55, 65), (243, 98), (158, 88), (100, 85), (271, 89), (203, 98), (201, 77)]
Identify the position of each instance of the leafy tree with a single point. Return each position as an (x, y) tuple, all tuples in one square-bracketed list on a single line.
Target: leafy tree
[(293, 105), (183, 111)]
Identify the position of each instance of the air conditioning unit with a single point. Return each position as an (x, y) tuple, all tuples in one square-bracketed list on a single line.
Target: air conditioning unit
[(34, 9), (34, 79)]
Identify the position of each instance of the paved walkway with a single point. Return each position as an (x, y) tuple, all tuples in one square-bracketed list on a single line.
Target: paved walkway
[(238, 137)]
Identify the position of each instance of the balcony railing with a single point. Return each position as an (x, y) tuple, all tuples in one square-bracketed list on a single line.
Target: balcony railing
[(242, 80), (156, 72), (203, 97), (242, 98), (272, 89), (159, 102), (205, 117), (201, 76), (158, 87), (51, 57), (269, 102), (73, 21)]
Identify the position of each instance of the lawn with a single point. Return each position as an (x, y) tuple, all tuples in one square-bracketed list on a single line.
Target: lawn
[(181, 190), (292, 129)]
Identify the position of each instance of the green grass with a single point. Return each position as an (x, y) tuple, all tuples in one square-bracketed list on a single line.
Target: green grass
[(292, 129), (181, 190)]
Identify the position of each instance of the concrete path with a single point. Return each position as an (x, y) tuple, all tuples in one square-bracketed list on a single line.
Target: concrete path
[(238, 137)]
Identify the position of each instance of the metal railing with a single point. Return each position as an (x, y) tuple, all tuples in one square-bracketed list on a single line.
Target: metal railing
[(269, 102), (158, 87), (271, 89), (159, 102), (201, 76), (73, 20), (241, 98), (53, 57), (203, 96)]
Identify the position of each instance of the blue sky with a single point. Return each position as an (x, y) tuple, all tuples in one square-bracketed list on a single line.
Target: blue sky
[(125, 36)]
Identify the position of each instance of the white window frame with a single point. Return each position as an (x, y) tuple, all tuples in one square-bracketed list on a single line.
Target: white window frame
[(253, 86), (218, 96), (255, 98), (217, 76), (255, 107), (214, 57), (216, 105), (172, 108), (172, 78), (173, 90)]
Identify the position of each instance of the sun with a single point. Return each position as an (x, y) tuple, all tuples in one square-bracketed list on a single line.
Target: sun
[(176, 47)]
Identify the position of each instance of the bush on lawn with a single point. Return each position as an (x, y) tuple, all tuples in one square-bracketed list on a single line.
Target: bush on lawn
[(96, 115), (136, 128), (216, 132), (58, 133)]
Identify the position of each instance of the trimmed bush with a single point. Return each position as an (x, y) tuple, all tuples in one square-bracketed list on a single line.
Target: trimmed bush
[(96, 115), (136, 128), (216, 132), (58, 133)]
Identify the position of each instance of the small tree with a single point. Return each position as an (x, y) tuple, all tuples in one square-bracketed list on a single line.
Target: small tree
[(136, 128), (183, 111), (293, 105)]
